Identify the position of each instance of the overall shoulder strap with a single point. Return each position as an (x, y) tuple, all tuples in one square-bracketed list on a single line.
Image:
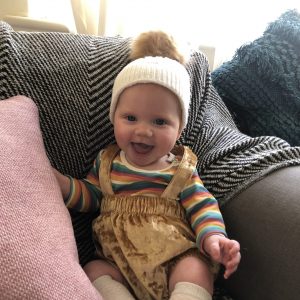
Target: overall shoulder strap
[(107, 157), (184, 172)]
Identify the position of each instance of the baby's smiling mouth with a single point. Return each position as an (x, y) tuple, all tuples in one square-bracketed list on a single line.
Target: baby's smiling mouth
[(141, 148)]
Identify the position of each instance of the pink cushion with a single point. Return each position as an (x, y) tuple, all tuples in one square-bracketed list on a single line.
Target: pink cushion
[(38, 255)]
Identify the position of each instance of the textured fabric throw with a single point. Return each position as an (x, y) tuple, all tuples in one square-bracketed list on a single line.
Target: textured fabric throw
[(261, 84), (70, 79)]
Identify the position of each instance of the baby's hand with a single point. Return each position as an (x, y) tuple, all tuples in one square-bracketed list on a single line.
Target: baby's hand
[(224, 251)]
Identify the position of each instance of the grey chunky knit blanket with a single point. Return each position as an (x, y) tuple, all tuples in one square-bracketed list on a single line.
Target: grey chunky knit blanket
[(70, 79), (261, 84)]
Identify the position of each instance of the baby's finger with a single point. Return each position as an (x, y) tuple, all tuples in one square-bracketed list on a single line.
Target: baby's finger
[(229, 271), (231, 265), (234, 247), (233, 261)]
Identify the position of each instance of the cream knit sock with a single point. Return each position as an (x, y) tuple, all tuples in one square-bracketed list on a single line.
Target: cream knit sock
[(111, 289), (189, 291)]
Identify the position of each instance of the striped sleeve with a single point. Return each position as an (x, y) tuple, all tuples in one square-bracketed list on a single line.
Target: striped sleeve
[(202, 210), (85, 193)]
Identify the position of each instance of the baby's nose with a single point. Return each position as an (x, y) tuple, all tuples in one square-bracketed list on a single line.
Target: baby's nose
[(143, 130)]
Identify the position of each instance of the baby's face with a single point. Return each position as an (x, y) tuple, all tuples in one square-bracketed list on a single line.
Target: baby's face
[(147, 124)]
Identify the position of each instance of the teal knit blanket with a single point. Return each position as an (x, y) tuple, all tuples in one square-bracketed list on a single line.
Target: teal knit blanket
[(261, 84)]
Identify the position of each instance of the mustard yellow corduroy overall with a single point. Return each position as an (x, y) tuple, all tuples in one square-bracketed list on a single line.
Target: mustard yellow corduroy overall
[(143, 236)]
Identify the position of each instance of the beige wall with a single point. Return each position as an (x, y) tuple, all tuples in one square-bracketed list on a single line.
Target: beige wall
[(13, 8)]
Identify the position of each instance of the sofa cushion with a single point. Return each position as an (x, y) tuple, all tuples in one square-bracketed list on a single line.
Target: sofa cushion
[(39, 258)]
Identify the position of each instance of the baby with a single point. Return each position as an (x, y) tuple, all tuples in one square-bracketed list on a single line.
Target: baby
[(160, 233)]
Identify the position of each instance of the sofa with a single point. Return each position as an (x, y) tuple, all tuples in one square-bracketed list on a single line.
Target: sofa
[(55, 91)]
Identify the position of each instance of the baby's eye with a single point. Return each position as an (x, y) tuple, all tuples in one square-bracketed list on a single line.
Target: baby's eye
[(131, 118), (160, 122)]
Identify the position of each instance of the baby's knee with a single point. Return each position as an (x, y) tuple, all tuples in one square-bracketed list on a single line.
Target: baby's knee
[(97, 268), (194, 270)]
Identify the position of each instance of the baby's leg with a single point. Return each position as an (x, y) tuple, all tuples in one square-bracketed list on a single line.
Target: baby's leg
[(191, 279), (108, 280)]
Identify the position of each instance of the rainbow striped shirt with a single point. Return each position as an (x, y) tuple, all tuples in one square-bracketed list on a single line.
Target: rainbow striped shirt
[(201, 207)]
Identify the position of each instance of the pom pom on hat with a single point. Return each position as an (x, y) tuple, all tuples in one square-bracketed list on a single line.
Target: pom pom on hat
[(158, 70)]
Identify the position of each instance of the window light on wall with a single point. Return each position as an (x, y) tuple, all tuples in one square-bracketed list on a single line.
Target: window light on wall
[(58, 11)]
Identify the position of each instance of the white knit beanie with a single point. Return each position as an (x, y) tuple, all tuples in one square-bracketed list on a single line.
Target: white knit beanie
[(159, 70)]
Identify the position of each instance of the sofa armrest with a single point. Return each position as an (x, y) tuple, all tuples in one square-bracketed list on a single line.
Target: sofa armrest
[(265, 218), (29, 24)]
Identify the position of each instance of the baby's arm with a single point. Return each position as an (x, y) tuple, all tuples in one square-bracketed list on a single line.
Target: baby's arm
[(64, 183), (207, 222), (82, 195), (224, 251)]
